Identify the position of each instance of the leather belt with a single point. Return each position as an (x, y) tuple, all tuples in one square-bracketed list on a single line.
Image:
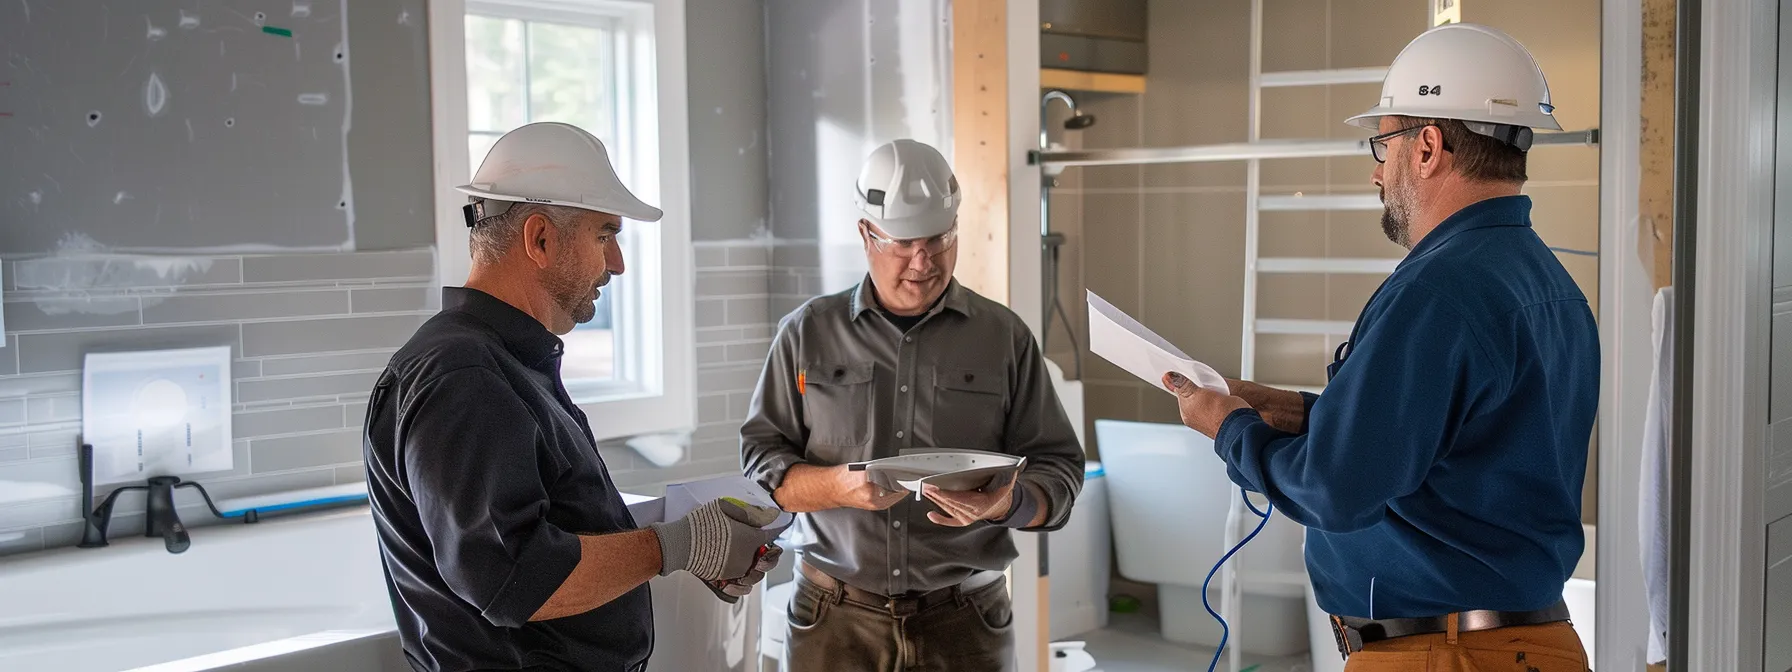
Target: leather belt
[(900, 605), (1352, 633)]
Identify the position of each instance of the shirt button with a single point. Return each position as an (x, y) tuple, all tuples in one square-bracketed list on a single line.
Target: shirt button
[(904, 388), (897, 524), (898, 433), (895, 572), (908, 339)]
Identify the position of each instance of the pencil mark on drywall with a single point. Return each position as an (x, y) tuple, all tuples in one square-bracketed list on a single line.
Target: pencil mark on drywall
[(155, 95), (105, 22), (155, 33), (27, 5), (314, 98), (188, 21), (78, 159), (233, 82), (295, 50), (189, 130), (301, 9), (127, 67), (54, 182)]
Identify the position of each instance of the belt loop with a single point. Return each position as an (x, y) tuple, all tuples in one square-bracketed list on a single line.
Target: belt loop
[(1454, 624), (837, 594), (958, 595)]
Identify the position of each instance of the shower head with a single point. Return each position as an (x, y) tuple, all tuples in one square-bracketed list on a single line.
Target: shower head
[(1079, 121)]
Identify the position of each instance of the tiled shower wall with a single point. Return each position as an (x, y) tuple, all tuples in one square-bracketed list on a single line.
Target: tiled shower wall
[(310, 334)]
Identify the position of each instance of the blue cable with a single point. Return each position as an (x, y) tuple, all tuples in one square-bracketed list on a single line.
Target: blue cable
[(1226, 630)]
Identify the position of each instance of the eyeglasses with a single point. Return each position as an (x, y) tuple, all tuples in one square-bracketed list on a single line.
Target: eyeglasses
[(907, 248), (1378, 145)]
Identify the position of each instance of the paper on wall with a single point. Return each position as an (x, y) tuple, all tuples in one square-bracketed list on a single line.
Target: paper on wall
[(1120, 339)]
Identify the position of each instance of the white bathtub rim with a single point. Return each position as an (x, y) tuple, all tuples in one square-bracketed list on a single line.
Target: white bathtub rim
[(266, 650)]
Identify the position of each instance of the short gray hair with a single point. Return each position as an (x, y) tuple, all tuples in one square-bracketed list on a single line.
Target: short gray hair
[(492, 237)]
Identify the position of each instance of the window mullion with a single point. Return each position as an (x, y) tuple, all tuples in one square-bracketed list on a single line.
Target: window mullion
[(528, 75)]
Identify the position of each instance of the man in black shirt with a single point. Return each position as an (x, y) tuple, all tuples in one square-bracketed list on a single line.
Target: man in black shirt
[(506, 545)]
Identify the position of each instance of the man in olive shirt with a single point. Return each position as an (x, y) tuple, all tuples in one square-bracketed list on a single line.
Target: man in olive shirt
[(906, 359)]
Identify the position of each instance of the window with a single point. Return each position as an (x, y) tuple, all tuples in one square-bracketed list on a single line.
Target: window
[(614, 68)]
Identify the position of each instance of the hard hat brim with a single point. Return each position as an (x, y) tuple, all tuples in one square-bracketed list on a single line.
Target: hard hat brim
[(630, 208), (1372, 119)]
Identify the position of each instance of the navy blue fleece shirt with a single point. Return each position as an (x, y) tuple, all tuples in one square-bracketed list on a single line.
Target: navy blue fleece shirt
[(1441, 469)]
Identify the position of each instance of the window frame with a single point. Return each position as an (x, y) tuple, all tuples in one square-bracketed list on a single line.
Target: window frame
[(653, 34)]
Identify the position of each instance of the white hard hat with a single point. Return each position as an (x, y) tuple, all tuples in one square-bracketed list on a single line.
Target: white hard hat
[(1470, 73), (907, 189), (552, 164)]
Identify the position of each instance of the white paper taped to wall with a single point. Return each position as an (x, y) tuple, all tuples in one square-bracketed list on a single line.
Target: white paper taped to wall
[(1141, 352)]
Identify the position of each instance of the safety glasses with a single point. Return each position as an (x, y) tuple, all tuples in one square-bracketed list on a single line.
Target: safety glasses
[(1378, 145), (909, 247)]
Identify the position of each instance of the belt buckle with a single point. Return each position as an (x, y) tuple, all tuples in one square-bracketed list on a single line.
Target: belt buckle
[(903, 607), (1348, 639)]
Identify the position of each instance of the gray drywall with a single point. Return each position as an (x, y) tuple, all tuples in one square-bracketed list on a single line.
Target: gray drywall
[(726, 50), (202, 125), (843, 78)]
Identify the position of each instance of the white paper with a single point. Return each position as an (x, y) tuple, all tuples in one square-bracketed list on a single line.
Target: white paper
[(1141, 352), (157, 413), (681, 498)]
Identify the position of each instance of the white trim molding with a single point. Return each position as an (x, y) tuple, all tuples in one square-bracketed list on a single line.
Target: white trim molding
[(1731, 313), (1626, 291)]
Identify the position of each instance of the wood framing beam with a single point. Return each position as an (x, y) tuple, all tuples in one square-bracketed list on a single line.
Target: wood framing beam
[(1104, 82), (980, 143), (1656, 143)]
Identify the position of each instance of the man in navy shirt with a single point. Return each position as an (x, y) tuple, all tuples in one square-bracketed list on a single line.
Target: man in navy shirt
[(1439, 475), (506, 545)]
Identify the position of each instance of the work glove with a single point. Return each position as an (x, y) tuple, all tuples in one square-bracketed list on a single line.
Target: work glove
[(719, 541), (732, 591)]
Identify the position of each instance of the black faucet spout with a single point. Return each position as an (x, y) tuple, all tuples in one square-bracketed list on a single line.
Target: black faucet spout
[(163, 520)]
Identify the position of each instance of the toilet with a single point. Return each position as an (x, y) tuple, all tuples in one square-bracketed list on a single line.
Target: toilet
[(1168, 495)]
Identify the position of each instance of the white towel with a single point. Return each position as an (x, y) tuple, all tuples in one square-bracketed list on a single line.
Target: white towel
[(1654, 507)]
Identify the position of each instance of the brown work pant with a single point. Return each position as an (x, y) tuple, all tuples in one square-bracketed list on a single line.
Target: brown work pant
[(1532, 648), (830, 632)]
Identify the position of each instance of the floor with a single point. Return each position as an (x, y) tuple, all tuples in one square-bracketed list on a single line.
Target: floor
[(1131, 643)]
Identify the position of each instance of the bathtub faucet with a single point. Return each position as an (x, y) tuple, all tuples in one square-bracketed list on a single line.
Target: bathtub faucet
[(162, 520)]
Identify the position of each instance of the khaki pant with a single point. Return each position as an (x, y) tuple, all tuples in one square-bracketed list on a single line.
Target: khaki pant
[(830, 632), (1532, 648)]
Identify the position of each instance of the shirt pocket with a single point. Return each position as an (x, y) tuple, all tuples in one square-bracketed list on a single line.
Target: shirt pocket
[(970, 408), (837, 404)]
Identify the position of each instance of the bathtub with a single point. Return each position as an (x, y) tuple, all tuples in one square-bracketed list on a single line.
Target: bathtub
[(304, 592)]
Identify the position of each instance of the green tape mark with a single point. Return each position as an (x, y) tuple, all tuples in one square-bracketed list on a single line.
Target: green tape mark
[(1252, 668), (276, 31)]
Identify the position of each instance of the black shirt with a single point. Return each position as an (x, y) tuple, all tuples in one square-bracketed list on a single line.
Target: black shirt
[(481, 470)]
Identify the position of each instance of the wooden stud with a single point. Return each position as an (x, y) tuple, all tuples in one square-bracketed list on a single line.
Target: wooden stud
[(980, 143), (1655, 241)]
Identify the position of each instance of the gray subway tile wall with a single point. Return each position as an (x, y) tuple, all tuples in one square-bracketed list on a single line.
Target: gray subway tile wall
[(310, 333)]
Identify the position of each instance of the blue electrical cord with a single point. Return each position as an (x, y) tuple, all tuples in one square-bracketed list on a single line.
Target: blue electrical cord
[(1226, 630)]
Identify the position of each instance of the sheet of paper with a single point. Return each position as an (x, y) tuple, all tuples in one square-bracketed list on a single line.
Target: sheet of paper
[(682, 497), (1120, 339)]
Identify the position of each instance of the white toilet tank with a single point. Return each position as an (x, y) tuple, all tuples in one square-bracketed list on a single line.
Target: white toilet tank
[(1168, 495)]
